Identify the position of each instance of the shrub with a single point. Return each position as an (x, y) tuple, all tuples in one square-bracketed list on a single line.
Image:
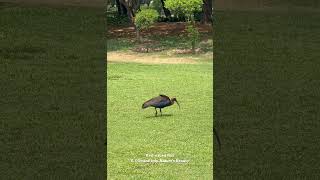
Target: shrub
[(156, 4), (186, 7), (193, 36), (145, 18)]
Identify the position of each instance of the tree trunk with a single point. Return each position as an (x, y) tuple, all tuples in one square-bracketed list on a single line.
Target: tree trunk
[(132, 6), (207, 12), (165, 10), (118, 7), (193, 47), (148, 3), (131, 17), (139, 39), (122, 10)]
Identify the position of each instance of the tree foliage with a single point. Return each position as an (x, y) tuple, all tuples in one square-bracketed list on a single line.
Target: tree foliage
[(145, 18), (187, 7), (193, 35), (156, 4)]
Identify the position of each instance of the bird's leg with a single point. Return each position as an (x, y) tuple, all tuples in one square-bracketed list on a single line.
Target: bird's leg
[(156, 111), (160, 112)]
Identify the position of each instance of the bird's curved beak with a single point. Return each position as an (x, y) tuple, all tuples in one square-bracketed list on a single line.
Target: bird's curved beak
[(178, 104)]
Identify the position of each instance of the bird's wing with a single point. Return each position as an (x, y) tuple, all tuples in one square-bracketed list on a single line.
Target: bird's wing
[(165, 96), (151, 102), (156, 100)]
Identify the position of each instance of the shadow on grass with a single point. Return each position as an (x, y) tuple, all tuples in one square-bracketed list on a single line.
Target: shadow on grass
[(163, 115)]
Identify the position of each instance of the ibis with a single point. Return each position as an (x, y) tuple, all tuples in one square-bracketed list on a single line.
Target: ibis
[(160, 102)]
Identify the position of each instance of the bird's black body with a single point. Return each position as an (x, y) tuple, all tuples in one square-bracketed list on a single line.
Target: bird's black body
[(160, 102)]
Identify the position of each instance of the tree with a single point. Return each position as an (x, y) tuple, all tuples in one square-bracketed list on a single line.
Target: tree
[(147, 2), (187, 8), (165, 10), (122, 10), (207, 11), (144, 19), (132, 6)]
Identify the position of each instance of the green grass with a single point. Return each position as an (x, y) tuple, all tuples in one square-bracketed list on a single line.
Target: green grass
[(51, 80), (186, 132), (122, 44), (267, 94), (133, 132), (163, 42)]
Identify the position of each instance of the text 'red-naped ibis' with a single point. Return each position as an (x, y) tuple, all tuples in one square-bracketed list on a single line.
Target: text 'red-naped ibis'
[(160, 102)]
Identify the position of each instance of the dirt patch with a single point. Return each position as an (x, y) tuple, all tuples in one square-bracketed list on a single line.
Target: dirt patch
[(148, 59), (159, 29)]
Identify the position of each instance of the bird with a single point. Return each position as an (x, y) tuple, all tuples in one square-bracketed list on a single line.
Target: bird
[(218, 138), (160, 102)]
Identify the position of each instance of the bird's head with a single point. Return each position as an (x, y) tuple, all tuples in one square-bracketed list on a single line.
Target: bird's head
[(175, 100)]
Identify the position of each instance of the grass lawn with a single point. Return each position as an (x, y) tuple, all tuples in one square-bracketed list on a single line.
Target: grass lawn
[(267, 94), (133, 132), (185, 133)]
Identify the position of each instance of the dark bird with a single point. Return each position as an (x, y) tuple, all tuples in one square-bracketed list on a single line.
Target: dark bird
[(160, 102)]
